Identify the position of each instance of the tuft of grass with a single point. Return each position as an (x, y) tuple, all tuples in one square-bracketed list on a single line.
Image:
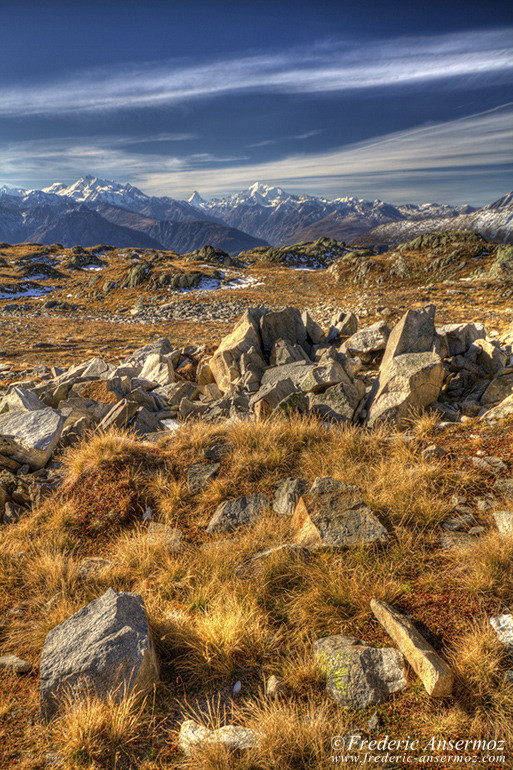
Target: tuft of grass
[(96, 733)]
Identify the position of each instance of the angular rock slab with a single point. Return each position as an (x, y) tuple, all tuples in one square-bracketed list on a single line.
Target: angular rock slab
[(225, 362), (199, 476), (30, 437), (359, 675), (408, 382), (287, 494), (105, 648), (434, 672), (237, 513), (192, 736), (20, 399), (335, 517)]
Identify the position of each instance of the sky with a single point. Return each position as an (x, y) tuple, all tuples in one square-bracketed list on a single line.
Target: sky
[(403, 101)]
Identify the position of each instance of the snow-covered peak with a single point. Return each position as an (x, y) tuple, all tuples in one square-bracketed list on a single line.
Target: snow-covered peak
[(196, 200), (15, 192), (91, 188)]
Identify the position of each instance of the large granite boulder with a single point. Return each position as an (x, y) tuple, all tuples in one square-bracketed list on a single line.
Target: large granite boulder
[(30, 436), (106, 648), (287, 325), (358, 675), (225, 362), (407, 382)]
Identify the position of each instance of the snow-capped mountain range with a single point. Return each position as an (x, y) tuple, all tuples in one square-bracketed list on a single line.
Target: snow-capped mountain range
[(260, 215)]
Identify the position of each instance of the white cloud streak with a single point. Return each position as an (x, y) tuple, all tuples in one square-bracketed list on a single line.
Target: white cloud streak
[(443, 151), (335, 67)]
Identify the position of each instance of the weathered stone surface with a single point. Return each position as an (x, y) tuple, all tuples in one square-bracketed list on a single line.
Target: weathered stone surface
[(30, 437), (504, 522), (500, 388), (162, 347), (457, 338), (414, 333), (157, 369), (339, 402), (285, 325), (269, 396), (369, 340), (192, 735), (284, 352), (14, 664), (314, 332), (119, 415), (239, 512), (336, 517), (224, 363), (105, 647), (295, 372), (256, 563), (346, 323), (435, 674), (287, 495), (503, 627), (217, 452), (503, 409), (489, 464), (323, 376), (294, 404), (13, 512), (199, 476), (165, 535), (407, 382), (359, 675), (22, 399)]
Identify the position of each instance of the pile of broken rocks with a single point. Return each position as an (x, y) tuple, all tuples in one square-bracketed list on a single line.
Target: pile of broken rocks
[(273, 364)]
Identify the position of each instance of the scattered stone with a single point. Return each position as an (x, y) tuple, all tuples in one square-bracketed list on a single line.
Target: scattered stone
[(433, 452), (435, 674), (239, 512), (287, 495), (359, 675), (22, 399), (217, 452), (503, 627), (105, 647), (504, 522), (192, 735), (490, 465), (459, 522), (13, 512), (336, 518), (274, 688), (166, 535), (14, 664), (199, 476)]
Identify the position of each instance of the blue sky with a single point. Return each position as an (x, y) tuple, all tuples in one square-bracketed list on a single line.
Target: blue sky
[(401, 100)]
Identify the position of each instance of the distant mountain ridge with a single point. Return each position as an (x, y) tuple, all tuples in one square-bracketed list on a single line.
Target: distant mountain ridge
[(258, 216)]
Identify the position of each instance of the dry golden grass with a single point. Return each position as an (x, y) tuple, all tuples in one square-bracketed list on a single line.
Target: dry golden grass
[(92, 733), (213, 625)]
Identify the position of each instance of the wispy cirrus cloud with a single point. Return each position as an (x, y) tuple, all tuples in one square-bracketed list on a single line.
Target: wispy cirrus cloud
[(406, 165), (332, 67)]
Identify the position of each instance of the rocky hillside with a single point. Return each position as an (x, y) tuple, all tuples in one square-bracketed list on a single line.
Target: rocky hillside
[(493, 222), (300, 532)]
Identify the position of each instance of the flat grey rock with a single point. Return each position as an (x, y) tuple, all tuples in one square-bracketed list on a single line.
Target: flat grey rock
[(287, 495), (237, 513)]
